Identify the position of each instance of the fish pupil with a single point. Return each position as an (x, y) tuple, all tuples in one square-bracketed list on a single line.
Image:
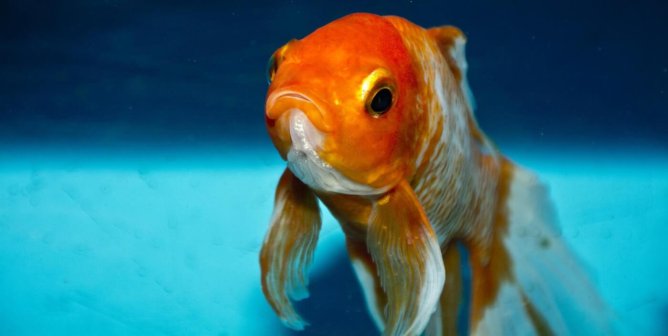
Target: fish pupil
[(272, 67), (382, 101)]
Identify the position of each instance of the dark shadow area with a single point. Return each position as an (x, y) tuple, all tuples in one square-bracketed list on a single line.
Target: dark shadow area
[(463, 315), (664, 319), (336, 305)]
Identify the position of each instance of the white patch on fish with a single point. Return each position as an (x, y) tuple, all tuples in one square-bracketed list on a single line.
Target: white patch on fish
[(306, 164)]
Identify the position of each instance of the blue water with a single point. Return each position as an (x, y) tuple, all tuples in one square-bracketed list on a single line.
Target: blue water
[(164, 242), (136, 178)]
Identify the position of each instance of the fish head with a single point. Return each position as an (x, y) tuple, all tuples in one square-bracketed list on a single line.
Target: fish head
[(340, 106)]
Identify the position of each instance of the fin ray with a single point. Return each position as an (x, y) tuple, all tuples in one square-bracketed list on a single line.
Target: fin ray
[(288, 247), (452, 43), (408, 258), (544, 290)]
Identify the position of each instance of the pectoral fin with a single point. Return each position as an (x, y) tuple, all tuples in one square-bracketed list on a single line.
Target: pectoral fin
[(406, 252), (288, 247)]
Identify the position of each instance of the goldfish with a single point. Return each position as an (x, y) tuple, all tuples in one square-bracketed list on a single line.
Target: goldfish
[(375, 119)]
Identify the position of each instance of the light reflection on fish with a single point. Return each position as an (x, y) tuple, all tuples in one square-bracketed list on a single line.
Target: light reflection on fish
[(375, 118)]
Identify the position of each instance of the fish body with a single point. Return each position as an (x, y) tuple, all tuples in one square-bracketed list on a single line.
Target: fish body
[(374, 117)]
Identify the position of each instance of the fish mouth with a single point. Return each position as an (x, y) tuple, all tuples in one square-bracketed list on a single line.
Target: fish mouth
[(284, 100), (287, 94), (305, 162), (306, 140), (294, 95)]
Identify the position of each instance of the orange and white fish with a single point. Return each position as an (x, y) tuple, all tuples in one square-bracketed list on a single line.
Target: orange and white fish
[(375, 119)]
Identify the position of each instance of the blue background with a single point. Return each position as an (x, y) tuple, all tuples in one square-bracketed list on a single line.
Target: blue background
[(136, 177), (172, 73)]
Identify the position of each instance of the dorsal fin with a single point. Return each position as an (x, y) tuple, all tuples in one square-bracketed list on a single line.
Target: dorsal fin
[(452, 43)]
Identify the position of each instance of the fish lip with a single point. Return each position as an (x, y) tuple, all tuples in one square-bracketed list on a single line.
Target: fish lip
[(303, 156), (315, 111), (287, 93), (295, 95), (305, 137)]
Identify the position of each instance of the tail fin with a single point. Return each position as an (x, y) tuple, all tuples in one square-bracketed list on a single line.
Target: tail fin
[(528, 282)]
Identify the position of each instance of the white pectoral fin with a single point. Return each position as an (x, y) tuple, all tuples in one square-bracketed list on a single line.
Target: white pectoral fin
[(547, 291), (408, 258), (288, 248)]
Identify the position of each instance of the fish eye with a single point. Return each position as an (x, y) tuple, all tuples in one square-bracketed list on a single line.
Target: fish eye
[(275, 60), (380, 102), (272, 67)]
